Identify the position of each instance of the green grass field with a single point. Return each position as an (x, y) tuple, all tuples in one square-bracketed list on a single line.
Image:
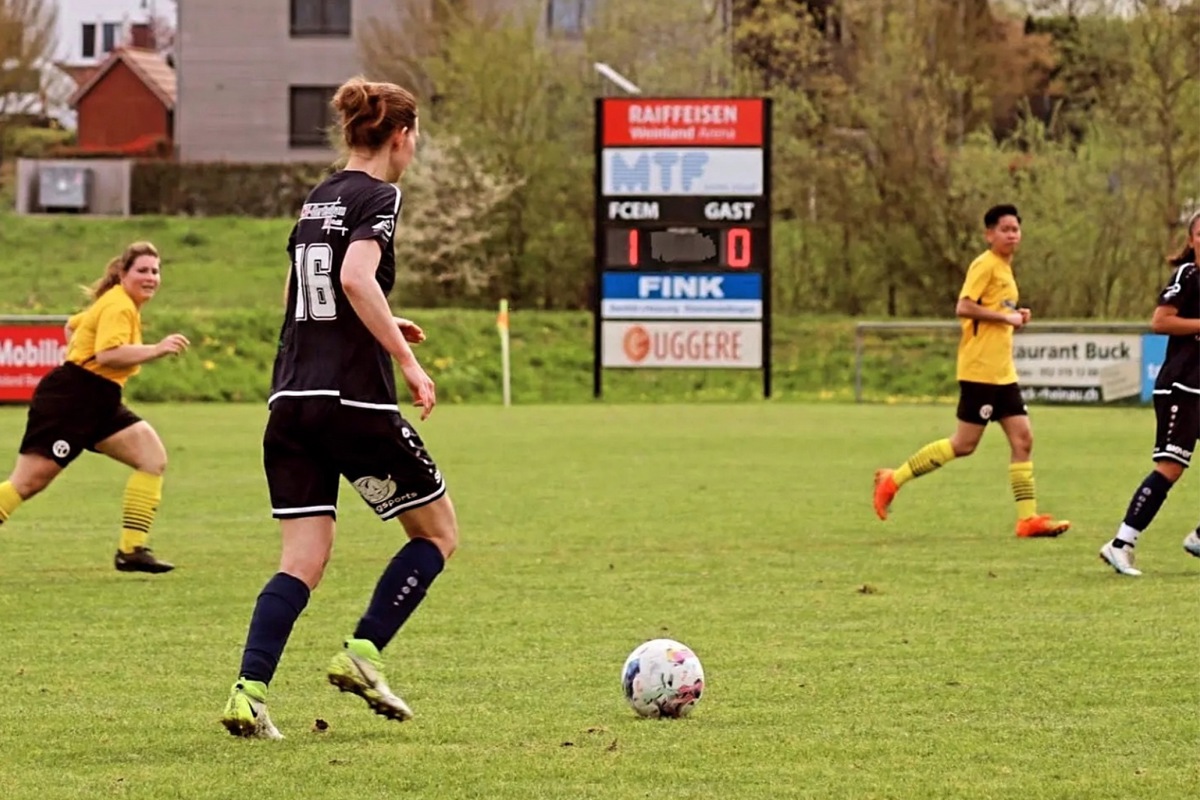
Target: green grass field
[(932, 656)]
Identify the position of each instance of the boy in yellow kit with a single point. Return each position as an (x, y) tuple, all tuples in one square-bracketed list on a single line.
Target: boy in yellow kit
[(987, 377)]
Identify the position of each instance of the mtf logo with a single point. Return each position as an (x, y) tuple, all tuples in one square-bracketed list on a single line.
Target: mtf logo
[(658, 171), (684, 171)]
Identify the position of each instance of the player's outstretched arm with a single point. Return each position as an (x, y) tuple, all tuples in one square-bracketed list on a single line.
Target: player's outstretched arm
[(129, 355)]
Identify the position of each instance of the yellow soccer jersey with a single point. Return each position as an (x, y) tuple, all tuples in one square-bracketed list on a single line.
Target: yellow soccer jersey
[(985, 351), (111, 321)]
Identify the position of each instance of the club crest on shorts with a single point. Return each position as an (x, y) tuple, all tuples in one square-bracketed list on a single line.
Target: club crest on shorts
[(985, 412), (61, 449), (375, 490)]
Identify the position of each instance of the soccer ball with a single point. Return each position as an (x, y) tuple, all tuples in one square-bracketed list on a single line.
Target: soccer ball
[(662, 678)]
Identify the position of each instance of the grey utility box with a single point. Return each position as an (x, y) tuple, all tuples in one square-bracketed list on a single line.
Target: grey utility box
[(65, 187)]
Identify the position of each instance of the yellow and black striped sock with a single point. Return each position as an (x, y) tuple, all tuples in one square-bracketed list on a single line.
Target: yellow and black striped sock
[(1020, 477), (926, 460), (143, 492), (9, 500)]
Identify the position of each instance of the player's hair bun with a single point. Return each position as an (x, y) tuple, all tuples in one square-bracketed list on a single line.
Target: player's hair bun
[(370, 113)]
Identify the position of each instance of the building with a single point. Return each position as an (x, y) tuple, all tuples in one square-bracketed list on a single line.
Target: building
[(85, 33), (258, 89), (88, 30), (127, 104)]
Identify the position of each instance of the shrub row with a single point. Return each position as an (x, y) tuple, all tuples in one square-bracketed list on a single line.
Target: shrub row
[(223, 189)]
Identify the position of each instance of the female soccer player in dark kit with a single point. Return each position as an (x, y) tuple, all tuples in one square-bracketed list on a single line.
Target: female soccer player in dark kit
[(333, 413), (1176, 406)]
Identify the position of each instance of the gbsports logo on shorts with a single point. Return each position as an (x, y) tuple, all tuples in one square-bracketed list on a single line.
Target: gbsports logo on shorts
[(61, 449), (985, 412), (375, 490)]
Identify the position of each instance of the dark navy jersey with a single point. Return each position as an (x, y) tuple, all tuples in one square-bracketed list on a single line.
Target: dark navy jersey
[(1181, 368), (324, 348)]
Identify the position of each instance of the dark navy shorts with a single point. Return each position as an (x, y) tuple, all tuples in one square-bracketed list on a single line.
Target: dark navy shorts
[(311, 442)]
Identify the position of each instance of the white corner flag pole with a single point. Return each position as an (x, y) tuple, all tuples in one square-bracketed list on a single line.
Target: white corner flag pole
[(505, 362)]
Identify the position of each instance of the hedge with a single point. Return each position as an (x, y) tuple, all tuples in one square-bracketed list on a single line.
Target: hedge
[(223, 189)]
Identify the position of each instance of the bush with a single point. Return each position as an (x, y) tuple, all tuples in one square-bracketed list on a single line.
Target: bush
[(223, 189), (28, 142)]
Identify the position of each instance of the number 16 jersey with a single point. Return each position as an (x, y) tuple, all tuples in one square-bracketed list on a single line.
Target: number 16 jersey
[(324, 348)]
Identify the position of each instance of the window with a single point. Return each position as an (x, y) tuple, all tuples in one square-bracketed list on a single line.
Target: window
[(320, 17), (310, 115), (109, 35), (568, 17), (89, 40)]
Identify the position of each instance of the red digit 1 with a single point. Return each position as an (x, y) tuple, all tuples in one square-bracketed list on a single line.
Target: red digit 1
[(633, 247), (737, 248)]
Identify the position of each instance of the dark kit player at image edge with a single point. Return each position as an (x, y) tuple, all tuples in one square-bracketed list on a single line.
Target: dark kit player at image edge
[(1176, 406)]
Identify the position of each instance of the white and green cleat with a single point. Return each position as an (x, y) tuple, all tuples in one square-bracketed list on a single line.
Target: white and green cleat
[(358, 669), (245, 713)]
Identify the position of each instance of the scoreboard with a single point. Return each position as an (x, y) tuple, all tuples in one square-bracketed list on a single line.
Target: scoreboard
[(683, 234)]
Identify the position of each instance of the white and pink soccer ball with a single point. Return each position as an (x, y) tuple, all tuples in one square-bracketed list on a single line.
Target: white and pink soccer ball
[(662, 678)]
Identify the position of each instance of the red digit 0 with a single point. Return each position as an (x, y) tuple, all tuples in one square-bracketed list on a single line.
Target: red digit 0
[(737, 248)]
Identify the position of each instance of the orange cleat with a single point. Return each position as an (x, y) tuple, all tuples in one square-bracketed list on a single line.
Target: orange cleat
[(1042, 525), (885, 491)]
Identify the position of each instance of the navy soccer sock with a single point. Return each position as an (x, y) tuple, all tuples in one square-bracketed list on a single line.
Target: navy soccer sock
[(400, 590), (1146, 502), (279, 605)]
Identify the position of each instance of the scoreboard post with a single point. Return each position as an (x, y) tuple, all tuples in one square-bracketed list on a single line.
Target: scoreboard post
[(683, 234)]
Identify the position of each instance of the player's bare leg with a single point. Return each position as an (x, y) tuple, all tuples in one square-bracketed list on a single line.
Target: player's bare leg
[(32, 474), (929, 458)]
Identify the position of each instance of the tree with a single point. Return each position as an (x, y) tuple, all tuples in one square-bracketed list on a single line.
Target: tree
[(500, 97), (521, 102), (896, 123), (1158, 104), (683, 47), (28, 85), (450, 202)]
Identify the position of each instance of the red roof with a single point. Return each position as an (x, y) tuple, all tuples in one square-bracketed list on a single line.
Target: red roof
[(151, 68), (79, 74)]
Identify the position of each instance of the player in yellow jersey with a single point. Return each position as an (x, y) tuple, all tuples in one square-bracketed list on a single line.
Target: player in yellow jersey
[(987, 376), (77, 406)]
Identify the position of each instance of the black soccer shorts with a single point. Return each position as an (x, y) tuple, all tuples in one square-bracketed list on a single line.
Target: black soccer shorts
[(1178, 416), (981, 403), (311, 442), (72, 410)]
